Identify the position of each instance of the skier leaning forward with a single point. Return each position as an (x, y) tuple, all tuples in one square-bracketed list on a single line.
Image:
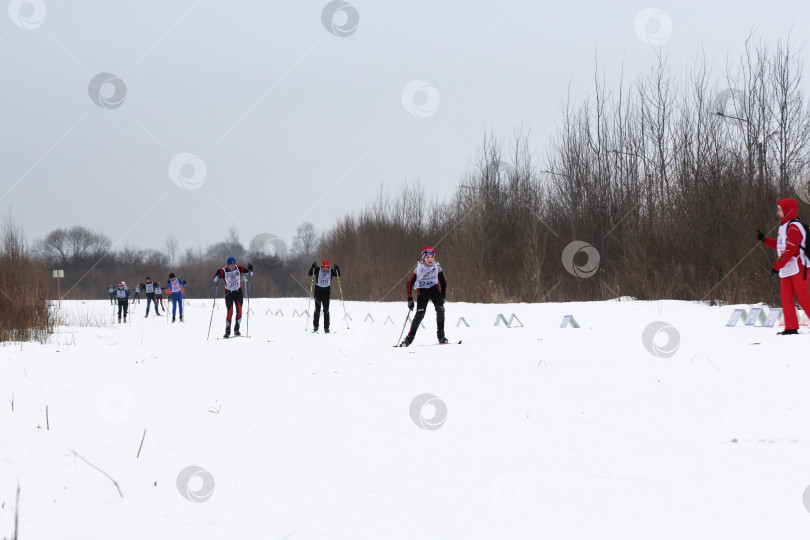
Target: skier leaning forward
[(430, 286), (232, 274)]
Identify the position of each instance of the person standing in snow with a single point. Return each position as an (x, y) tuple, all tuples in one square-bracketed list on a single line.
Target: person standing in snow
[(149, 289), (122, 293), (232, 274), (791, 266), (176, 286), (428, 278), (323, 292), (111, 292), (138, 289)]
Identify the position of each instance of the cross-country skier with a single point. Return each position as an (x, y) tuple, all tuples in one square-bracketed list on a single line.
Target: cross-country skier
[(138, 288), (111, 292), (323, 292), (149, 288), (232, 274), (176, 286), (158, 296), (791, 266), (428, 278), (122, 293)]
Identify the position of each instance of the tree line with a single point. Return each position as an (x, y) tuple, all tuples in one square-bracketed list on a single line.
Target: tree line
[(652, 189)]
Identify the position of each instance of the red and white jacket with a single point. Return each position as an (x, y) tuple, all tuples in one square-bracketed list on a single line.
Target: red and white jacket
[(788, 241)]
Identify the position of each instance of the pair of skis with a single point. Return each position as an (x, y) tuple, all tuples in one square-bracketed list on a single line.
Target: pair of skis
[(400, 344)]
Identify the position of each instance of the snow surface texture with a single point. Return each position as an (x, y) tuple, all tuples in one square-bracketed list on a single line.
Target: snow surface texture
[(533, 432)]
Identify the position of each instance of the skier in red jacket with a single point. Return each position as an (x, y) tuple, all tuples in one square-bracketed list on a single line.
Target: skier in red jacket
[(791, 266)]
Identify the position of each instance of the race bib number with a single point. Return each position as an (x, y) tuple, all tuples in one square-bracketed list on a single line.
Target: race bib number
[(232, 278)]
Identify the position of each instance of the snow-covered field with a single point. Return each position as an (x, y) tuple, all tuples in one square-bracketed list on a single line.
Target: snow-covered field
[(547, 433)]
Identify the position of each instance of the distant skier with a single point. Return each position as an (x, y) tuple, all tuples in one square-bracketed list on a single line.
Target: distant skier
[(138, 289), (158, 296), (149, 289), (111, 292), (123, 300), (428, 278), (791, 266), (323, 292), (232, 274), (176, 286)]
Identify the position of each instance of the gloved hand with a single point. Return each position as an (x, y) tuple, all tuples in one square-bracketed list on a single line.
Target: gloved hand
[(337, 270), (774, 271), (760, 236), (314, 266), (410, 303), (216, 278), (250, 267)]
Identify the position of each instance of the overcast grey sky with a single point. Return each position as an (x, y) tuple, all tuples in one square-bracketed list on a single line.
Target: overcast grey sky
[(299, 109)]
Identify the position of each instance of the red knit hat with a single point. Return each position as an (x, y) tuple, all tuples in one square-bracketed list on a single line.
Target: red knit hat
[(427, 250), (325, 263)]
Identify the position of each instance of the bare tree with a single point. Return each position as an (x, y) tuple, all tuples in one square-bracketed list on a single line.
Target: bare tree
[(172, 248), (305, 240)]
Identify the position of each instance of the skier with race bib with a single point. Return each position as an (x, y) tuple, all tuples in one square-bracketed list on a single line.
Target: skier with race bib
[(232, 274), (149, 288), (176, 285), (158, 296), (122, 293), (323, 292), (791, 266), (428, 278)]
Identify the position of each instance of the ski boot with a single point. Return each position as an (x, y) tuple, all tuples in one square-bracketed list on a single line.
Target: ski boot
[(172, 319), (236, 332), (314, 329), (181, 318), (119, 320), (227, 333), (325, 330), (787, 333), (407, 341)]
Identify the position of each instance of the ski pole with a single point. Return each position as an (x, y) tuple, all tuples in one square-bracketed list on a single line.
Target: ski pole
[(216, 292), (403, 328), (345, 318), (247, 324), (311, 285)]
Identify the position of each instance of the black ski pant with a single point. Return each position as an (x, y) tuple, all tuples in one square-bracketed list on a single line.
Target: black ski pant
[(123, 304), (112, 298), (423, 296), (322, 296), (150, 299), (136, 297), (233, 298)]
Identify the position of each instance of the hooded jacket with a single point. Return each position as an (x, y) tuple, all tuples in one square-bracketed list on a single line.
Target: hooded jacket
[(790, 208)]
